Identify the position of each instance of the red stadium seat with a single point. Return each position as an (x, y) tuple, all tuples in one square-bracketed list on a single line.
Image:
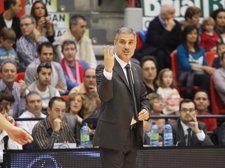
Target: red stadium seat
[(217, 105)]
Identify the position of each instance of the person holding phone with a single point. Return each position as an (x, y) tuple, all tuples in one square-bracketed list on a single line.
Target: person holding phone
[(43, 22)]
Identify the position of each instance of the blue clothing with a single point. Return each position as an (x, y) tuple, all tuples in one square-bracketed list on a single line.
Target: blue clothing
[(8, 54), (186, 59), (69, 82)]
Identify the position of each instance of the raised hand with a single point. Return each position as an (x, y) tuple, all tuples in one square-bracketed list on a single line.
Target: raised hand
[(108, 58)]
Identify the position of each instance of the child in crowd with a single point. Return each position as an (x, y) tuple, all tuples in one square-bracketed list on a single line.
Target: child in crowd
[(220, 50), (7, 39), (166, 88), (209, 38)]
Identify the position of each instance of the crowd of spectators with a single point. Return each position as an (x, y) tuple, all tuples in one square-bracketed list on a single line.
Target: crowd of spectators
[(60, 80)]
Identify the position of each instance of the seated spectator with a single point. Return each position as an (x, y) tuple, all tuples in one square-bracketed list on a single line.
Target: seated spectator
[(42, 84), (219, 79), (166, 89), (34, 110), (7, 99), (43, 21), (192, 16), (7, 39), (9, 17), (187, 131), (5, 141), (163, 36), (219, 16), (202, 102), (89, 90), (73, 68), (26, 46), (192, 69), (9, 73), (221, 134), (76, 33), (45, 53), (157, 106), (149, 71), (53, 129), (209, 38), (75, 106), (220, 49)]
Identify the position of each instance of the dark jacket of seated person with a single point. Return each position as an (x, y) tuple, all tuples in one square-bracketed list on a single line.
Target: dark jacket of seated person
[(187, 131), (53, 129)]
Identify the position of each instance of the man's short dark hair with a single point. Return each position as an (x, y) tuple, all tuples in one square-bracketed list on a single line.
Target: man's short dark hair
[(203, 91), (44, 65), (8, 3), (68, 42), (74, 19), (148, 58), (53, 99), (44, 44), (186, 101)]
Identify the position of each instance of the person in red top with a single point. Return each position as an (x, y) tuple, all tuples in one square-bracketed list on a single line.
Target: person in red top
[(201, 99), (209, 38)]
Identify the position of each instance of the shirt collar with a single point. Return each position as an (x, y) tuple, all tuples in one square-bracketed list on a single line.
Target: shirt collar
[(121, 62), (185, 127)]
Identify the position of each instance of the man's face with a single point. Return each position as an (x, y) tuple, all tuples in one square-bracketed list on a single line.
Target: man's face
[(46, 54), (149, 71), (187, 112), (69, 52), (34, 104), (9, 73), (90, 79), (202, 102), (27, 27), (44, 76), (57, 111), (79, 29), (125, 44), (16, 8)]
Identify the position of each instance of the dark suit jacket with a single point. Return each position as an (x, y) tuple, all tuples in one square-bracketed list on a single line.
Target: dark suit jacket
[(180, 139), (158, 38), (15, 25), (117, 107)]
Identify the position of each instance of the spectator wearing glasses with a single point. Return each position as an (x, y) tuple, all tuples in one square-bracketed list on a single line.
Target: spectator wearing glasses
[(42, 84), (73, 68), (26, 46), (187, 131), (46, 53)]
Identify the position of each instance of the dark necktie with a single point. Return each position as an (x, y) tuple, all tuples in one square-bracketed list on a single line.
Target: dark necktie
[(131, 85), (189, 137)]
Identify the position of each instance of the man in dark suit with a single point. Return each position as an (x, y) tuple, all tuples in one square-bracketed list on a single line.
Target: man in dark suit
[(120, 129), (187, 131), (163, 36)]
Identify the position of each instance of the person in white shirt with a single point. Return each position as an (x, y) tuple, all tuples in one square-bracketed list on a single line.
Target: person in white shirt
[(34, 110), (43, 84)]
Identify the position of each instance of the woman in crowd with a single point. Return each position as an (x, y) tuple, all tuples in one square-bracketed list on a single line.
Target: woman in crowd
[(193, 68), (43, 21), (149, 70), (219, 17)]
